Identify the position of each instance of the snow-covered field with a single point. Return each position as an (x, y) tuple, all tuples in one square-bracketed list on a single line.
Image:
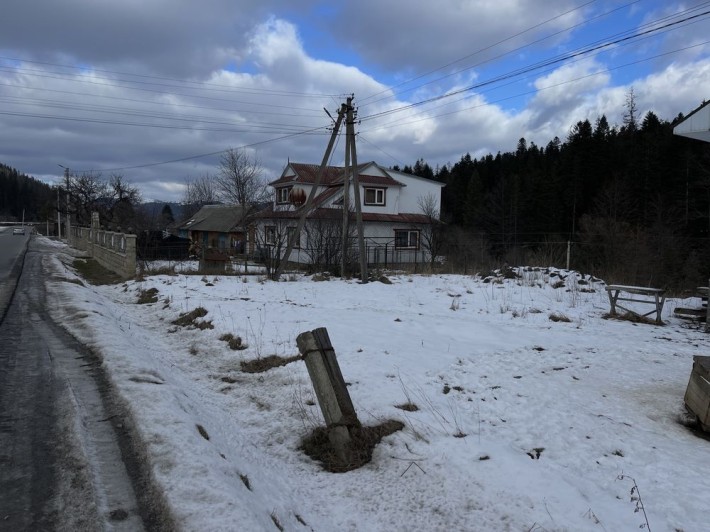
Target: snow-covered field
[(553, 412)]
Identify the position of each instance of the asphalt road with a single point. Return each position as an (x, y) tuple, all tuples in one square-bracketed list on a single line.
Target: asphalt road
[(66, 461)]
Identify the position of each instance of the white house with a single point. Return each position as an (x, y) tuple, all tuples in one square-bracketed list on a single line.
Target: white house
[(399, 212), (696, 125)]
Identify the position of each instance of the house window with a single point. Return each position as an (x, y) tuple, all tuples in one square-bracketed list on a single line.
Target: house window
[(406, 239), (375, 196), (282, 194), (270, 234), (289, 234)]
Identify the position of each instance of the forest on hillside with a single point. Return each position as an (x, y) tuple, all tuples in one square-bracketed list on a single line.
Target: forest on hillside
[(20, 193), (632, 201)]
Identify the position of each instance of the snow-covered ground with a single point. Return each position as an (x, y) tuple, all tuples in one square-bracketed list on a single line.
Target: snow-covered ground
[(553, 412)]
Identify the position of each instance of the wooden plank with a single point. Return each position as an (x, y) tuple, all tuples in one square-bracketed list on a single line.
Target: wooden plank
[(635, 289), (697, 394)]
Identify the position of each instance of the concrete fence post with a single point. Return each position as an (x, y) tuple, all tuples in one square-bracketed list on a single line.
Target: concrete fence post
[(331, 391)]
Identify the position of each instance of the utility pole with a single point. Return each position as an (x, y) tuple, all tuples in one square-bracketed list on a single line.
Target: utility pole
[(67, 215), (306, 206), (350, 143), (59, 217), (345, 241)]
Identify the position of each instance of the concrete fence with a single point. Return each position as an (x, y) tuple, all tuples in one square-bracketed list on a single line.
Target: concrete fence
[(114, 251)]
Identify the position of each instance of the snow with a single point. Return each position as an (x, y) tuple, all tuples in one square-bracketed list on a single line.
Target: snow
[(553, 412)]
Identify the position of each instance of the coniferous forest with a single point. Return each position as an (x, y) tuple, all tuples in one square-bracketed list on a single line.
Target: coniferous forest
[(633, 202), (20, 192), (629, 204)]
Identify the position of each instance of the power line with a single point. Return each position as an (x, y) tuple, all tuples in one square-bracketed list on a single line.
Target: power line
[(201, 155), (536, 66), (489, 47), (399, 123), (160, 103), (229, 88), (161, 92)]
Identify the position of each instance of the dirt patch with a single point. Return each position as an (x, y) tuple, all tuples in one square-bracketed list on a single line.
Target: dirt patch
[(408, 407), (234, 342), (632, 317), (364, 439), (94, 273), (190, 319), (148, 296), (558, 317), (260, 365)]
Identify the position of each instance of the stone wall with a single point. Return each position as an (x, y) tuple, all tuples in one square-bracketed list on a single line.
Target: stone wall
[(114, 251)]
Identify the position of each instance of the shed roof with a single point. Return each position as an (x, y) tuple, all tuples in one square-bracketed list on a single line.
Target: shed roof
[(215, 218)]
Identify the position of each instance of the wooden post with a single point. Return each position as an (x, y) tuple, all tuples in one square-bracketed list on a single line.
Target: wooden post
[(350, 134), (329, 385)]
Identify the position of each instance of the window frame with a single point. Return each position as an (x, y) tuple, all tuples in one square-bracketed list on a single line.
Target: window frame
[(270, 235), (409, 232), (281, 193), (289, 231), (376, 191)]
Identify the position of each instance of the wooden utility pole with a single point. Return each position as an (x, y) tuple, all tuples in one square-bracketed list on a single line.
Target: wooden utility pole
[(345, 241), (350, 136), (306, 206)]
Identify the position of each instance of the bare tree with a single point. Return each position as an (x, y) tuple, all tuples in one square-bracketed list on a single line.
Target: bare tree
[(240, 182), (85, 192), (324, 240), (198, 193), (271, 242), (431, 235), (121, 203)]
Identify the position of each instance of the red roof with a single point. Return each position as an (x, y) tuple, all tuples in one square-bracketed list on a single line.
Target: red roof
[(307, 173)]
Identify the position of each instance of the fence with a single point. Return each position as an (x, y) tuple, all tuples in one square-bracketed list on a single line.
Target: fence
[(114, 251)]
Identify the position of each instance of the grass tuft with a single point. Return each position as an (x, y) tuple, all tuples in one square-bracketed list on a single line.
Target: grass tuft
[(148, 296), (260, 365)]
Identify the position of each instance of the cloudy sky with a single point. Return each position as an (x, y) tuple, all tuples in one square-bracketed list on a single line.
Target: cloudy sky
[(155, 89)]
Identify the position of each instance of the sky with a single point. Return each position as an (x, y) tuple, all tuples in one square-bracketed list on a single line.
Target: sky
[(155, 91), (522, 423)]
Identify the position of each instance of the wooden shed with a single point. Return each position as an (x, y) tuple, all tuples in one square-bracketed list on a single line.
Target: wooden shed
[(697, 395)]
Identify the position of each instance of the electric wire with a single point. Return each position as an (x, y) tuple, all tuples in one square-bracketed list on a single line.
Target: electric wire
[(531, 68), (229, 88), (399, 123), (489, 47)]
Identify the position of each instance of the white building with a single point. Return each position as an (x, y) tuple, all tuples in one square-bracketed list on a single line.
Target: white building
[(399, 213)]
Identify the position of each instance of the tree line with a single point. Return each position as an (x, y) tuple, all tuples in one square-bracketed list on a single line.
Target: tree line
[(633, 202), (630, 203)]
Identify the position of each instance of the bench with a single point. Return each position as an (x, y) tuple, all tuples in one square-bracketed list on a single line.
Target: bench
[(698, 313), (651, 296)]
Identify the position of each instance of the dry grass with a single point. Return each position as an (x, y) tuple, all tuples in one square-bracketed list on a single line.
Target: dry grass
[(631, 317), (148, 296), (235, 343), (262, 364), (94, 273), (559, 317), (408, 407), (190, 319)]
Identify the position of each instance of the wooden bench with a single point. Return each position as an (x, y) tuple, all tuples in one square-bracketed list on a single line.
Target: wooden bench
[(697, 313), (651, 296)]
